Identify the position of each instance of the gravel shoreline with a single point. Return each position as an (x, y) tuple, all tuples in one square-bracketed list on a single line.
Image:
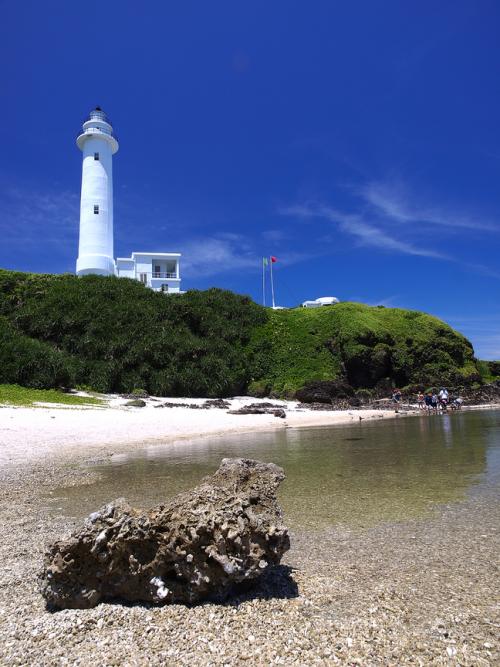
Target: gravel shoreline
[(420, 592)]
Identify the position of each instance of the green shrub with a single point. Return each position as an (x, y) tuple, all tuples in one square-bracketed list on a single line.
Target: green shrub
[(258, 389), (31, 363), (114, 335), (494, 367), (140, 393)]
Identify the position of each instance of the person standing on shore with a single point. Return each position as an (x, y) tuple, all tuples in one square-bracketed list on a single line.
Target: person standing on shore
[(434, 401), (443, 398), (420, 401), (396, 398)]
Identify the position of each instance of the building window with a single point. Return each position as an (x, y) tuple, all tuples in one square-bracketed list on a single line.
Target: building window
[(96, 156), (96, 209), (164, 288), (143, 277)]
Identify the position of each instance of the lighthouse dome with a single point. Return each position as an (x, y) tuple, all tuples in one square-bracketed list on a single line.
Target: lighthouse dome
[(99, 114)]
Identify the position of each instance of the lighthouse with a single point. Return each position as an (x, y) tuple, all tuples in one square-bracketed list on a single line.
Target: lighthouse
[(159, 271), (98, 145)]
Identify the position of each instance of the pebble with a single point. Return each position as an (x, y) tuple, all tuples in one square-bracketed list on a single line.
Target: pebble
[(367, 597)]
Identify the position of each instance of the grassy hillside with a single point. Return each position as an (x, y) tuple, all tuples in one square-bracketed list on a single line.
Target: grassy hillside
[(113, 334), (362, 344)]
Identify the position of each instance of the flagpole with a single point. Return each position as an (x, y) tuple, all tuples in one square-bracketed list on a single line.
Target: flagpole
[(272, 282), (263, 282)]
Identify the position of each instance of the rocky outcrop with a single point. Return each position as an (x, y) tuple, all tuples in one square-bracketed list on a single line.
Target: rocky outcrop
[(486, 393), (226, 531), (136, 403), (209, 404), (324, 391), (259, 409)]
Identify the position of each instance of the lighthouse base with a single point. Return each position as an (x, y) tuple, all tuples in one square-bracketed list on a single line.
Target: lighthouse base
[(100, 265)]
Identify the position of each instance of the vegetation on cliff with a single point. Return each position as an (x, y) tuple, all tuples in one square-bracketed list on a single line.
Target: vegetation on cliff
[(363, 345), (113, 334)]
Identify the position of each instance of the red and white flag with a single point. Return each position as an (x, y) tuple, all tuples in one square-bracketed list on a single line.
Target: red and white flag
[(273, 259)]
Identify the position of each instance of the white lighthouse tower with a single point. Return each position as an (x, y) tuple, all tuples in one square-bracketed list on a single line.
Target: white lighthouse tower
[(98, 145)]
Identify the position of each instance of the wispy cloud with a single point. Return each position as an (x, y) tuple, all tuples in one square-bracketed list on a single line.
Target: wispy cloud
[(35, 217), (385, 215), (394, 202), (38, 229), (483, 270), (204, 257), (365, 232), (209, 256)]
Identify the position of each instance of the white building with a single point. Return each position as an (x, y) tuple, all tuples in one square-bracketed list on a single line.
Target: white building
[(322, 301), (157, 270)]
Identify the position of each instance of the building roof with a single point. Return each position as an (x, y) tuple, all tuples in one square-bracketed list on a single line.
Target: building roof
[(148, 254)]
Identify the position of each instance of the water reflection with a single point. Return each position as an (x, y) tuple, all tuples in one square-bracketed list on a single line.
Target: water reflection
[(353, 475)]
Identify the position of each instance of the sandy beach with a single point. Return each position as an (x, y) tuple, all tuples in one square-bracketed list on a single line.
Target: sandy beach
[(416, 592), (28, 434)]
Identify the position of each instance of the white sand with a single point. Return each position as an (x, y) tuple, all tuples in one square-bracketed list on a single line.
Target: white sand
[(28, 434)]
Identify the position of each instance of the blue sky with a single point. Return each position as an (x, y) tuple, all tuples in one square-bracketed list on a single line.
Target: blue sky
[(357, 141)]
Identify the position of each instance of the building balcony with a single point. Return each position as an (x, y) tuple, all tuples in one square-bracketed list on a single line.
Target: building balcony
[(163, 274)]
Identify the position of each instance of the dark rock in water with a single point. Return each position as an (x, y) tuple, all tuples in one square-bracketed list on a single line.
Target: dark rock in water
[(136, 403), (279, 413), (226, 531)]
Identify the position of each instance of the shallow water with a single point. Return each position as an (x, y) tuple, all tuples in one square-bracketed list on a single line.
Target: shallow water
[(356, 476)]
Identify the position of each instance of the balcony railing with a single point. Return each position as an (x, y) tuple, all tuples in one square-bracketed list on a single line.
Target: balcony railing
[(100, 130), (97, 114), (162, 274)]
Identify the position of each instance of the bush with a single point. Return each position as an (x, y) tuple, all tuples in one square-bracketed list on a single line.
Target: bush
[(31, 363), (114, 335), (494, 368), (364, 395), (323, 391), (139, 393), (258, 389)]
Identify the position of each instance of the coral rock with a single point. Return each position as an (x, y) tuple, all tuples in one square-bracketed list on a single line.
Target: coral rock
[(226, 531)]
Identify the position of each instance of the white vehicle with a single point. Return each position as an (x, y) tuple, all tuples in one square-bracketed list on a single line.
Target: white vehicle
[(322, 301)]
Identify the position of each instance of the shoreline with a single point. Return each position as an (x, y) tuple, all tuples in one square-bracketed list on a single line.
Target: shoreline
[(32, 434), (416, 591)]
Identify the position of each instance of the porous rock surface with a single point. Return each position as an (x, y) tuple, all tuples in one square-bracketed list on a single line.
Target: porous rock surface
[(225, 531)]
